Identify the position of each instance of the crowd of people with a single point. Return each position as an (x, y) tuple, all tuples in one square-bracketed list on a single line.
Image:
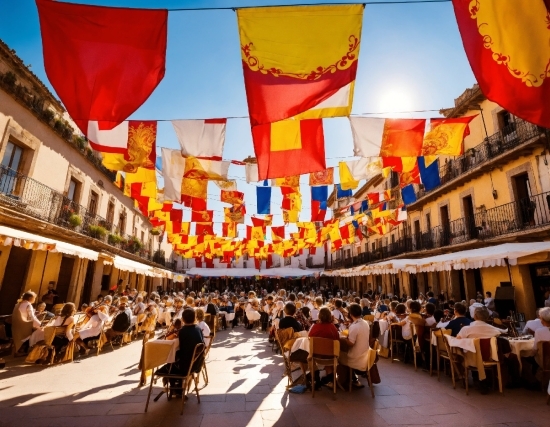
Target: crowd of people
[(358, 322)]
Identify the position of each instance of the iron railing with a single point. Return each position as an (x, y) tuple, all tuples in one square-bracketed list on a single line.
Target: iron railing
[(506, 139), (33, 198), (524, 215)]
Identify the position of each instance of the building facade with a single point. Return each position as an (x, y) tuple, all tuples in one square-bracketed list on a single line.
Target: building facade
[(53, 186), (497, 192)]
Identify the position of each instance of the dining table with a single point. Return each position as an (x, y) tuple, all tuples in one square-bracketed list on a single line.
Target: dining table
[(522, 347)]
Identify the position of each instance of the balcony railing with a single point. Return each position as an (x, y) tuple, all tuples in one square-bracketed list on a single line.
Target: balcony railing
[(524, 215), (510, 137), (40, 201)]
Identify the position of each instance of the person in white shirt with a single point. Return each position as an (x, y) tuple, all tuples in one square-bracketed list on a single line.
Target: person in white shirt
[(473, 305), (542, 334), (430, 310), (532, 325), (357, 343), (203, 326), (489, 301), (23, 322), (93, 327), (318, 303), (479, 328)]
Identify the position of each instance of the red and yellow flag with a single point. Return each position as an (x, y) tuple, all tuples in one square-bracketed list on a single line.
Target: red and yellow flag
[(299, 59), (324, 177), (446, 136), (506, 42), (290, 147)]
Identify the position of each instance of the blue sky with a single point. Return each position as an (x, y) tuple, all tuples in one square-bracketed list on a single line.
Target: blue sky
[(411, 59)]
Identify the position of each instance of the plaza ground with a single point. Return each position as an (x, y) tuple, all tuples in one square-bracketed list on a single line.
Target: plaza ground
[(247, 389)]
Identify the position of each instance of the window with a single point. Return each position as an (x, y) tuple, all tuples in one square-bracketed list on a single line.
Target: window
[(92, 205), (373, 246), (110, 212), (143, 236), (73, 194), (504, 120), (12, 157), (428, 222), (135, 231), (393, 239), (122, 224), (288, 261)]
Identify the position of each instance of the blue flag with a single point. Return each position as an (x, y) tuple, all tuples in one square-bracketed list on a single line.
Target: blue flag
[(429, 175), (408, 194), (263, 195), (340, 194)]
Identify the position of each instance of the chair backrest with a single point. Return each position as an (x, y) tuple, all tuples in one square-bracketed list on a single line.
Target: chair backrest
[(396, 332), (371, 355), (544, 348), (211, 322), (49, 334), (441, 342), (323, 347), (369, 318), (283, 335), (375, 330), (57, 309), (485, 348), (197, 353)]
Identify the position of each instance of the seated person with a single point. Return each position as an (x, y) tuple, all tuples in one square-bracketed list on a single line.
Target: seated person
[(23, 323), (357, 343), (532, 325), (41, 313), (92, 328), (338, 317), (205, 329), (365, 309), (139, 307), (325, 329), (174, 329), (289, 321), (431, 298), (430, 320), (302, 316), (65, 318), (317, 304), (473, 305), (414, 317), (479, 328), (542, 334), (122, 320), (459, 321)]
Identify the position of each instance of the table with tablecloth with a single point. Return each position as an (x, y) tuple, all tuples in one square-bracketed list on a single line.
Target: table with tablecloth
[(522, 347), (468, 348)]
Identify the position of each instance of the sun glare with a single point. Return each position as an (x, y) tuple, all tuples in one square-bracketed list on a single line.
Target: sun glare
[(395, 100)]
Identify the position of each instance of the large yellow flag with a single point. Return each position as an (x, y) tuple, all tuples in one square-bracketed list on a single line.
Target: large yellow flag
[(299, 59)]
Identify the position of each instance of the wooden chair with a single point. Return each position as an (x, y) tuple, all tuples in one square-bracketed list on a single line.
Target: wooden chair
[(212, 322), (324, 351), (46, 347), (440, 349), (204, 371), (186, 379), (370, 361), (369, 318), (452, 356), (544, 350), (483, 345), (396, 339), (102, 340), (417, 341), (286, 354)]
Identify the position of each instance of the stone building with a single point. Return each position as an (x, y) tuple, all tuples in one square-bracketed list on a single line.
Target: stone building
[(63, 221), (497, 192)]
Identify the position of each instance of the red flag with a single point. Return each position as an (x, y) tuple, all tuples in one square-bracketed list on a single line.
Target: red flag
[(510, 62), (291, 147), (317, 214), (204, 229), (103, 62), (202, 216)]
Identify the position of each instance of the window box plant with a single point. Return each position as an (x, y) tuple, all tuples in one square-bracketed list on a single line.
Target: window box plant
[(75, 220), (97, 231)]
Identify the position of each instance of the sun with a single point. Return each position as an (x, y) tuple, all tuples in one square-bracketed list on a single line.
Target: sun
[(395, 100)]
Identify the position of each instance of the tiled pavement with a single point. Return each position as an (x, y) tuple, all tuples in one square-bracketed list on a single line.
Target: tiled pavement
[(246, 389)]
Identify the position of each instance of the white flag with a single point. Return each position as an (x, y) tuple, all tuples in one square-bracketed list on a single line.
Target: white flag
[(173, 167), (201, 138)]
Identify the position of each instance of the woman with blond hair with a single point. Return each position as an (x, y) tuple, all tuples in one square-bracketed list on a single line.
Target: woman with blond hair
[(202, 325)]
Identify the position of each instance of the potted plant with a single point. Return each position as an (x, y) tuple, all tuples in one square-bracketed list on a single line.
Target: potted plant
[(97, 231), (114, 239), (75, 220), (133, 245)]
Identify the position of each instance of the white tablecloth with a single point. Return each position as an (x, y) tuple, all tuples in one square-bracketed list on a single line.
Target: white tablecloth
[(300, 344), (519, 346), (151, 346), (466, 344)]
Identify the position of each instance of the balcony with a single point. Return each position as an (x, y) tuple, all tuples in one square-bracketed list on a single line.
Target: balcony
[(499, 147), (30, 197), (516, 219)]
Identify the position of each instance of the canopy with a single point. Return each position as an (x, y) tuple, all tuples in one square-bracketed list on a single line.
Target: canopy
[(11, 236), (490, 256), (126, 264), (252, 272)]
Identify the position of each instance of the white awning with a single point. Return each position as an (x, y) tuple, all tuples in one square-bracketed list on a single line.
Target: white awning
[(126, 264), (489, 256), (11, 236), (251, 272)]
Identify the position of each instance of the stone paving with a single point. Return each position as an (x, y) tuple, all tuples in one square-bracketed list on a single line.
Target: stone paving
[(246, 389)]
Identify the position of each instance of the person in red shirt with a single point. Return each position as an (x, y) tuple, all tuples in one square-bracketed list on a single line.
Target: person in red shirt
[(325, 329)]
